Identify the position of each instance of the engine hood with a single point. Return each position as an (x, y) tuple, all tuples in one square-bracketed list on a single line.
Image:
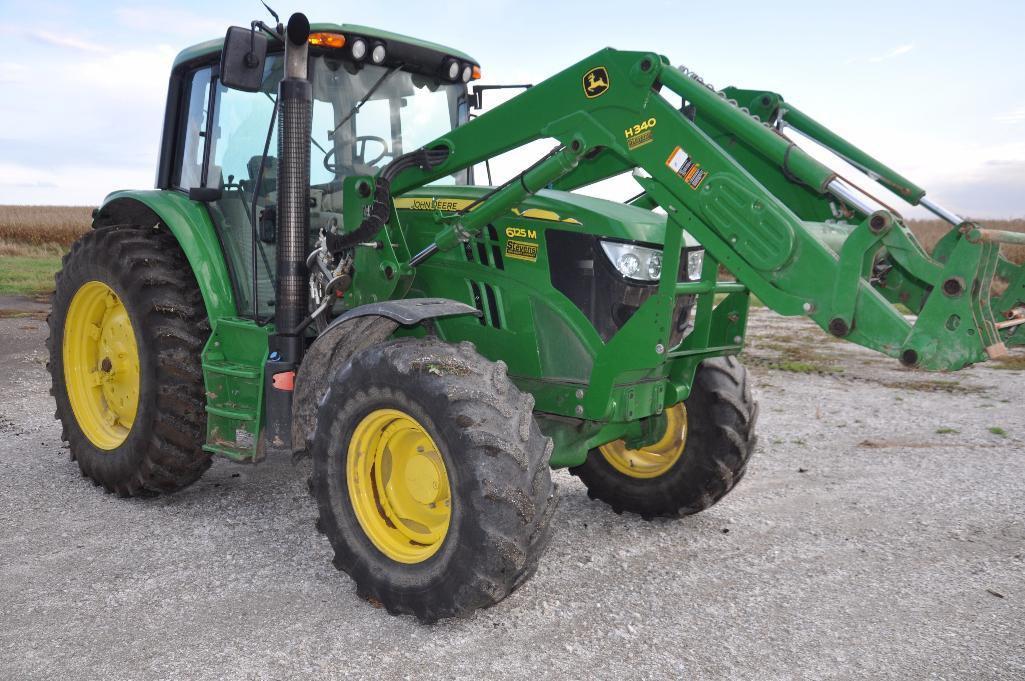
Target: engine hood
[(574, 212)]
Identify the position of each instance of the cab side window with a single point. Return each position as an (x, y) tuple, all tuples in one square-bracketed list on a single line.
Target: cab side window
[(191, 148)]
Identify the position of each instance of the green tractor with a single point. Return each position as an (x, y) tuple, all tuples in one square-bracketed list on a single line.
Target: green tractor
[(318, 273)]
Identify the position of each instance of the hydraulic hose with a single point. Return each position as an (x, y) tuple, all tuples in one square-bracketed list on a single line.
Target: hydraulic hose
[(376, 218), (380, 210)]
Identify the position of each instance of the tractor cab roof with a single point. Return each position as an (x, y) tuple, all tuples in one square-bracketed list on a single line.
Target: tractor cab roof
[(428, 49)]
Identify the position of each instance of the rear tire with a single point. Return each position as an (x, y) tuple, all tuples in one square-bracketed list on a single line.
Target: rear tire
[(499, 488), (721, 416), (144, 271)]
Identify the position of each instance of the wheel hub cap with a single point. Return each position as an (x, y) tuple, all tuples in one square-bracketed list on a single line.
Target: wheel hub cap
[(398, 485), (655, 459), (101, 365)]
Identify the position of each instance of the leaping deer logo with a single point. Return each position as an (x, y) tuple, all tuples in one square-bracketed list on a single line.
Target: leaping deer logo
[(596, 82)]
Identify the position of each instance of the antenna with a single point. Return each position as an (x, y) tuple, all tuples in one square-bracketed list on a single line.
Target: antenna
[(274, 14)]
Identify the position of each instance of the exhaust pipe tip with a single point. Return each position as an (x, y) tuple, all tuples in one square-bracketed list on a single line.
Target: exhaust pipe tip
[(298, 29)]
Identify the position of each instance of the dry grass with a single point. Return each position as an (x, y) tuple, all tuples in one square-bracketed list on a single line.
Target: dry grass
[(32, 241), (931, 231), (39, 231)]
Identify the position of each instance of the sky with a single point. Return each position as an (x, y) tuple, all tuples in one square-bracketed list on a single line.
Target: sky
[(934, 89)]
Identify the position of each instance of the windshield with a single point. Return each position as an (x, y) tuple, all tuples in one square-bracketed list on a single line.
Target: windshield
[(365, 117)]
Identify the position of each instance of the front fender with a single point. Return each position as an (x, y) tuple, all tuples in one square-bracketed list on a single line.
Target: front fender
[(346, 335), (189, 222)]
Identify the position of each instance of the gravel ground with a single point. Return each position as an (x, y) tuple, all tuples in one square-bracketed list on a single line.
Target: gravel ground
[(866, 540)]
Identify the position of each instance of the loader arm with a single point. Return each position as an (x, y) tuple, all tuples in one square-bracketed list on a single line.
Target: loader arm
[(789, 229)]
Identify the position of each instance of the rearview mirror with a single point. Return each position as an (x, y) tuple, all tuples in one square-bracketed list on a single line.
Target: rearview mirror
[(242, 58)]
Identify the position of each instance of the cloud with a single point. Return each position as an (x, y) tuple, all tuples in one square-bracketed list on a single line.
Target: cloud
[(895, 52), (993, 190), (171, 21), (69, 42), (145, 68), (20, 184), (1016, 116), (108, 115), (11, 72)]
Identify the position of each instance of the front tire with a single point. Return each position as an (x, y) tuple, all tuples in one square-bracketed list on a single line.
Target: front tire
[(127, 327), (694, 466), (431, 478)]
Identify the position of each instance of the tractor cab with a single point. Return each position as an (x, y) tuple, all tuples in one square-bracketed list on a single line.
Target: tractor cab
[(375, 96)]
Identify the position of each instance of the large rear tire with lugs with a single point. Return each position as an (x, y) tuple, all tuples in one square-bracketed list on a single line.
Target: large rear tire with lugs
[(702, 456), (127, 328), (431, 478)]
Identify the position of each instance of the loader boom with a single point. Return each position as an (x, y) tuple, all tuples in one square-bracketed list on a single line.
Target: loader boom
[(788, 228)]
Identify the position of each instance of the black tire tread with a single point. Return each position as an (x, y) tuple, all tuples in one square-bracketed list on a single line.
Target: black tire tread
[(721, 417), (501, 442), (153, 270)]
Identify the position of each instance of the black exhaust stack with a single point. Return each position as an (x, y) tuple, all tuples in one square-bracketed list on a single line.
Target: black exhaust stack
[(295, 105)]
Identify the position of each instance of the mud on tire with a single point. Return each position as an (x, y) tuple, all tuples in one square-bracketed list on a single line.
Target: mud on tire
[(721, 417), (147, 270), (502, 495)]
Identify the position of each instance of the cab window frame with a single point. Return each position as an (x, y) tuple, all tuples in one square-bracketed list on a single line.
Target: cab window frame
[(204, 150), (176, 117)]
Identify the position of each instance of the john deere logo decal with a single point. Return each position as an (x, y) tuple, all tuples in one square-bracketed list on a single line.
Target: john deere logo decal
[(596, 82)]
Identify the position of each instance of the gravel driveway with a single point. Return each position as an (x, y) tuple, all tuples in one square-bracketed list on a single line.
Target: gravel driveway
[(880, 532)]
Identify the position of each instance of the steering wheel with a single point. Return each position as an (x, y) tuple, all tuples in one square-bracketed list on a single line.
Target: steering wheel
[(361, 151)]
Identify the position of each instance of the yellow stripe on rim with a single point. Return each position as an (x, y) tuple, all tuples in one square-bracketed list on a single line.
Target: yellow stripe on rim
[(101, 365), (398, 486), (653, 460)]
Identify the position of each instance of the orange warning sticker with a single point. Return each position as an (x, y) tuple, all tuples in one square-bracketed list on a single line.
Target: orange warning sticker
[(692, 173)]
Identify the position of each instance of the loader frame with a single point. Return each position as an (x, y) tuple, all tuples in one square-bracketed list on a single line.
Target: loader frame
[(759, 205)]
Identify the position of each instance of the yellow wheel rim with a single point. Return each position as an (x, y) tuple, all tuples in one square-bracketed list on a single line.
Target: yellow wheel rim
[(653, 460), (398, 486), (101, 365)]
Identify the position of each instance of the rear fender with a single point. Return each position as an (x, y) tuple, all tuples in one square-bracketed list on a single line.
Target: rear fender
[(189, 222)]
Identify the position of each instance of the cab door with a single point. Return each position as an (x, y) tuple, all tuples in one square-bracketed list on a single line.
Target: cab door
[(225, 134)]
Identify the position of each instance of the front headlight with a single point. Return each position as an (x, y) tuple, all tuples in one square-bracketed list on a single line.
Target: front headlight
[(695, 261), (634, 262)]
